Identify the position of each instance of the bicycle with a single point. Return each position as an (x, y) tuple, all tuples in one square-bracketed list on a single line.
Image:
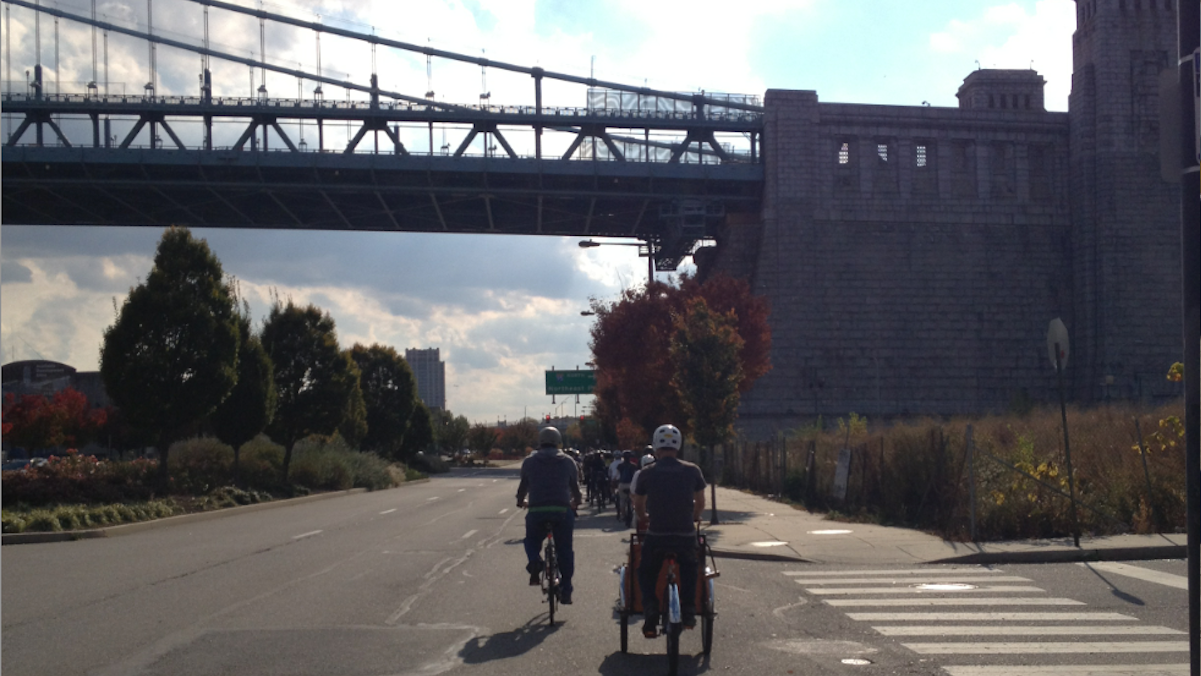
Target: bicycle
[(672, 625), (625, 506), (550, 571)]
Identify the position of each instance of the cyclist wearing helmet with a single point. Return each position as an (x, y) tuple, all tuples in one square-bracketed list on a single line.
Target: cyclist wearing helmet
[(549, 478), (646, 461), (673, 492), (625, 476)]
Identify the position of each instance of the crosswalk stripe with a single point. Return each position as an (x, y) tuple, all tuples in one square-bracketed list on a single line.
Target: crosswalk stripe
[(1020, 601), (992, 617), (1145, 574), (1030, 647), (915, 590), (948, 579), (901, 571), (1073, 670), (986, 630)]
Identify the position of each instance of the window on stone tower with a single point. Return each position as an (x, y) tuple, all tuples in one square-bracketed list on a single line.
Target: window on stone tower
[(882, 151), (844, 152), (921, 155)]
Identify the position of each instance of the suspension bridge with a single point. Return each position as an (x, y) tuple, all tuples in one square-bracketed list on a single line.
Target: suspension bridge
[(663, 167)]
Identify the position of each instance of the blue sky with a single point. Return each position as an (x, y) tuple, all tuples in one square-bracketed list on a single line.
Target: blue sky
[(502, 309)]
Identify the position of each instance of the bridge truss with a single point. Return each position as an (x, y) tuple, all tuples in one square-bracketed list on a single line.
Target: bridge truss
[(662, 167)]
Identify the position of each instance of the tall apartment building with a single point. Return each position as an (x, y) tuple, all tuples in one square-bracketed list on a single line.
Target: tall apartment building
[(430, 372)]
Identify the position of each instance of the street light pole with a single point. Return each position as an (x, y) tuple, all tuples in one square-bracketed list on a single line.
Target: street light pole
[(650, 254)]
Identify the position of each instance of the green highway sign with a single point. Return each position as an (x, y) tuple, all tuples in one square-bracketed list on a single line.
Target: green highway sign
[(570, 382)]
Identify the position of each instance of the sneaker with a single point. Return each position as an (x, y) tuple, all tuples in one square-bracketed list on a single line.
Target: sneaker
[(534, 568), (650, 628), (565, 597), (688, 620)]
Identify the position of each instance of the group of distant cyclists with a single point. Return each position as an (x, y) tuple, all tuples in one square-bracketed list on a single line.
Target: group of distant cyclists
[(664, 493)]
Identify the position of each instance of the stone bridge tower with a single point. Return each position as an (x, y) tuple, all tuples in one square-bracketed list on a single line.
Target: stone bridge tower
[(1126, 324), (914, 256)]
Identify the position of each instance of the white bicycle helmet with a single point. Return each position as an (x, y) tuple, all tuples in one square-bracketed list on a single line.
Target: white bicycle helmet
[(646, 460), (668, 436)]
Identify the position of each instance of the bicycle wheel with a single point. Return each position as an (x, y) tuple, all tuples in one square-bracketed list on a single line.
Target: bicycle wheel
[(625, 632), (552, 579), (707, 631), (673, 631)]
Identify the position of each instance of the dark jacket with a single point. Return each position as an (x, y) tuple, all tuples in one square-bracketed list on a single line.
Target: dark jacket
[(550, 478)]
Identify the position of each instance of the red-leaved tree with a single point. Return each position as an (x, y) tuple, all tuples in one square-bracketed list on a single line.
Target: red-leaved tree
[(631, 347), (35, 422)]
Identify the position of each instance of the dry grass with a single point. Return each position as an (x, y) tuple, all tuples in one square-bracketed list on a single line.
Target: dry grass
[(919, 474)]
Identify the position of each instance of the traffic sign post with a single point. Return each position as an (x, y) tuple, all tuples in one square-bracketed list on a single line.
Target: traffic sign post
[(1057, 347), (570, 382)]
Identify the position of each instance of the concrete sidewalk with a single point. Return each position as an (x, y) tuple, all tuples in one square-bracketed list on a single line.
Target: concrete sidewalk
[(754, 527)]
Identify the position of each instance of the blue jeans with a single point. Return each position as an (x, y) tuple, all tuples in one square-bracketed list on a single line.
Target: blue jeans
[(564, 523)]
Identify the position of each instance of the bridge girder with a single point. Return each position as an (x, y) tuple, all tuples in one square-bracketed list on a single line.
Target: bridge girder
[(404, 193)]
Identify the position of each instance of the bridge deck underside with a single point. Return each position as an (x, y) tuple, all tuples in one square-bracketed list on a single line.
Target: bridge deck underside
[(359, 192)]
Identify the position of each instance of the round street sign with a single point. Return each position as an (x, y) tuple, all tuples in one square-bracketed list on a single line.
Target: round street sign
[(1057, 334)]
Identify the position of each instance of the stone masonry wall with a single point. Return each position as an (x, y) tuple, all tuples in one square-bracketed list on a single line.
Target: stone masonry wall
[(913, 258)]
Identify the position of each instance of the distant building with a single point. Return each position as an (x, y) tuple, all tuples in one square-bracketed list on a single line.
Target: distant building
[(430, 372), (48, 377)]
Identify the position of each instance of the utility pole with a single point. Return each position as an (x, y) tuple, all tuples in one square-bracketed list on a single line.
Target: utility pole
[(1187, 18)]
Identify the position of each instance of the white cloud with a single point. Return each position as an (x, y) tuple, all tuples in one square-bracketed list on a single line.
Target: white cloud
[(1009, 36)]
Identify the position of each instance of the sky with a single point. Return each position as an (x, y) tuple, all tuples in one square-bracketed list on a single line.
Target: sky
[(502, 309)]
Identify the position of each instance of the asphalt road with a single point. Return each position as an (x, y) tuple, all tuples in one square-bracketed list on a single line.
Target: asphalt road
[(428, 579)]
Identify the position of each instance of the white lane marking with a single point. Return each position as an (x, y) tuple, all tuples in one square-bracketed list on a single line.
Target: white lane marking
[(1022, 601), (902, 571), (468, 534), (1145, 574), (388, 511), (502, 511), (950, 579), (431, 499), (1074, 670), (914, 590), (462, 490), (991, 617), (1025, 648), (987, 630), (306, 535)]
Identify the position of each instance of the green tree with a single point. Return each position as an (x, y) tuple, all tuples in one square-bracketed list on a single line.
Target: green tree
[(708, 372), (481, 438), (171, 357), (353, 428), (250, 406), (450, 430), (390, 394), (420, 436), (315, 380)]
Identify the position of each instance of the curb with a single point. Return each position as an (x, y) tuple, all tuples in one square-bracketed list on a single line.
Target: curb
[(137, 527), (1073, 555)]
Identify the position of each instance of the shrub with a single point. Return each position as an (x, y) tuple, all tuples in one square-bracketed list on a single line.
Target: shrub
[(429, 464), (74, 478), (260, 463), (198, 465), (42, 520), (330, 464)]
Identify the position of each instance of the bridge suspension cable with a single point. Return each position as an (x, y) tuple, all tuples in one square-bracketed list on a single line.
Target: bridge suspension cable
[(479, 61), (251, 62)]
